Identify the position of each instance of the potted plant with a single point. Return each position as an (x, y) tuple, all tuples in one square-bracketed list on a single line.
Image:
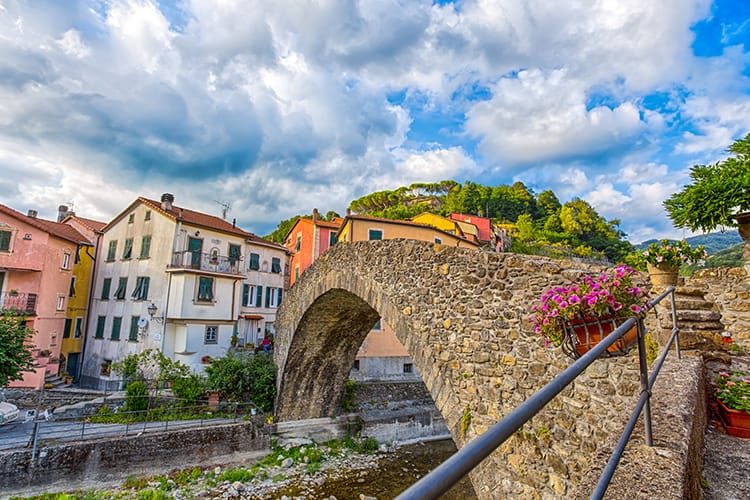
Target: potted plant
[(579, 315), (663, 259), (733, 396), (719, 195)]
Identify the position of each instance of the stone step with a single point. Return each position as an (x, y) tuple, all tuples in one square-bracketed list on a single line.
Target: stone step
[(698, 315), (701, 325), (689, 304)]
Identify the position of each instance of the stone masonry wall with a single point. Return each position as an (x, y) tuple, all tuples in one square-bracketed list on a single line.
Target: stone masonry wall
[(104, 459), (729, 289), (464, 318)]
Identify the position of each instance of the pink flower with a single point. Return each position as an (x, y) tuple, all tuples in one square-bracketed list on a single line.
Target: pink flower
[(574, 300), (730, 383)]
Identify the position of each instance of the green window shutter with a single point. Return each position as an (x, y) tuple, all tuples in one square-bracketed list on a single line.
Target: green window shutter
[(258, 295), (5, 241), (245, 294), (106, 286), (72, 291), (254, 261), (100, 327), (205, 288), (281, 291), (145, 247), (275, 265), (134, 328), (116, 324), (268, 296), (144, 287), (112, 250), (68, 325), (128, 250), (234, 253), (332, 239)]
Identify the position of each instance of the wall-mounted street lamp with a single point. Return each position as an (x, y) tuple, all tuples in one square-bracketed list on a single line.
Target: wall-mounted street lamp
[(151, 309)]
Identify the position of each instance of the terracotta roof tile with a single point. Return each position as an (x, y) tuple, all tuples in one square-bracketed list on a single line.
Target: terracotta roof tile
[(57, 229)]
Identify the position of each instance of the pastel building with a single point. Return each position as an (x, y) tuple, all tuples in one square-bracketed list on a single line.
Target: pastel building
[(308, 239), (177, 280), (37, 258)]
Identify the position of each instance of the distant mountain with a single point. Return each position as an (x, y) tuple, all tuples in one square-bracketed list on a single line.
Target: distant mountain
[(714, 242)]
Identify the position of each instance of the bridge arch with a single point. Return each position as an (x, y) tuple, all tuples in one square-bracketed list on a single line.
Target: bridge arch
[(461, 314)]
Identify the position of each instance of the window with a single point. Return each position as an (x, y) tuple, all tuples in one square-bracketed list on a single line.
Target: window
[(131, 218), (145, 246), (72, 291), (106, 368), (249, 296), (121, 287), (254, 261), (148, 215), (299, 243), (60, 302), (112, 250), (5, 241), (258, 296), (205, 289), (296, 272), (127, 252), (77, 257), (356, 365), (66, 261), (438, 240), (332, 238), (375, 234), (116, 324), (78, 330), (133, 337), (141, 288), (234, 253), (106, 286), (273, 296), (377, 326), (67, 328), (408, 368), (212, 335), (275, 265), (100, 327)]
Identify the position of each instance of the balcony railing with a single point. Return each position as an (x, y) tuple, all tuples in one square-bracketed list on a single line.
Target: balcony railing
[(16, 301), (206, 262)]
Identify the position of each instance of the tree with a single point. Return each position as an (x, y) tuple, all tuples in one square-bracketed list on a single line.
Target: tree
[(283, 228), (244, 377), (717, 193), (15, 347)]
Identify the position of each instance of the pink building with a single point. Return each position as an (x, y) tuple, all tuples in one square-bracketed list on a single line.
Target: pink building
[(483, 225), (36, 273)]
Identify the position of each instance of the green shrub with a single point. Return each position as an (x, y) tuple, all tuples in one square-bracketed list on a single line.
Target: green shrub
[(244, 377), (189, 389), (136, 396), (350, 390), (232, 475)]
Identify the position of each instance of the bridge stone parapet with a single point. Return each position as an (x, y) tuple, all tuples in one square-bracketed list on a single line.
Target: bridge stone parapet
[(463, 317)]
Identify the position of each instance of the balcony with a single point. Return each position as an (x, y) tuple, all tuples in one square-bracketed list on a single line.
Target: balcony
[(210, 262), (22, 302)]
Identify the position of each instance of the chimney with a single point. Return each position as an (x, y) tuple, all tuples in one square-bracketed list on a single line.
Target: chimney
[(234, 222), (166, 202), (315, 215), (348, 212), (62, 211), (32, 214)]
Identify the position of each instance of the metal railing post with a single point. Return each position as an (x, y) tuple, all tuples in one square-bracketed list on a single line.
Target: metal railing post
[(35, 440), (674, 325), (643, 367)]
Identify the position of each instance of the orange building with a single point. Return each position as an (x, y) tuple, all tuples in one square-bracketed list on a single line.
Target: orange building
[(308, 239)]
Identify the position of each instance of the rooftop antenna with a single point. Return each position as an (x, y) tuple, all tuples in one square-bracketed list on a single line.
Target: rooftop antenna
[(225, 208)]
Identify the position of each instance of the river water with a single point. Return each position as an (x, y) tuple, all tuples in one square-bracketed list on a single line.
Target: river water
[(395, 472)]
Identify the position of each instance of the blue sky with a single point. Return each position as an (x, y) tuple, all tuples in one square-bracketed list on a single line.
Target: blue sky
[(279, 107)]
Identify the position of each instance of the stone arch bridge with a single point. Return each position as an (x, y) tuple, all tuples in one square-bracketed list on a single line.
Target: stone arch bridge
[(463, 317)]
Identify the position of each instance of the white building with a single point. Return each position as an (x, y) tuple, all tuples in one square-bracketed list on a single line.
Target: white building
[(172, 279)]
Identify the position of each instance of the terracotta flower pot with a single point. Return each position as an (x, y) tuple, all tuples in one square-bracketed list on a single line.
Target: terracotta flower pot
[(663, 274), (743, 225), (736, 422), (582, 334)]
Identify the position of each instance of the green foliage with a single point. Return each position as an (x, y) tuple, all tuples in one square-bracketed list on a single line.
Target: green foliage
[(244, 377), (350, 390), (150, 365), (237, 474), (189, 389), (136, 396), (717, 192), (15, 348), (465, 421), (733, 389), (670, 253)]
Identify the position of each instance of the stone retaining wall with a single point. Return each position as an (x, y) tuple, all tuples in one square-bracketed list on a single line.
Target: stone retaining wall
[(105, 459), (729, 289)]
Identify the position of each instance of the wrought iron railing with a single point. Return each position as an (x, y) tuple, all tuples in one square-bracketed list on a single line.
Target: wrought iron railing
[(17, 301), (206, 262), (442, 478)]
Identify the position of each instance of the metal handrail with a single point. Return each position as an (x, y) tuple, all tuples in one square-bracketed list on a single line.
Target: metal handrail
[(443, 477)]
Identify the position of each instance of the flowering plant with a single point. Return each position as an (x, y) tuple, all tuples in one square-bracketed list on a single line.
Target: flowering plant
[(672, 253), (733, 389), (609, 293)]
